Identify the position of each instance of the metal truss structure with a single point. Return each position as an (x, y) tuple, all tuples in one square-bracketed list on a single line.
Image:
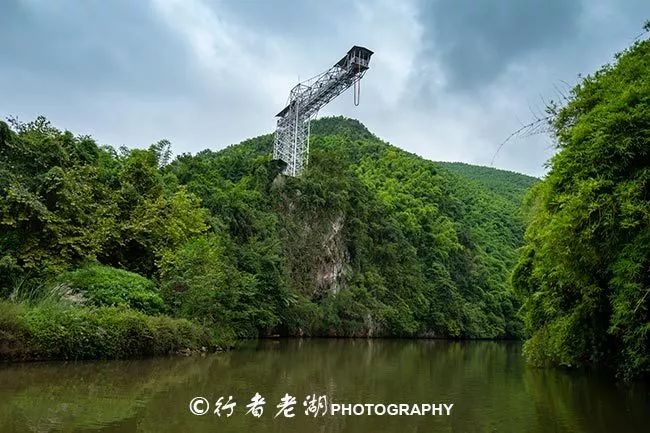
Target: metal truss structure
[(291, 143)]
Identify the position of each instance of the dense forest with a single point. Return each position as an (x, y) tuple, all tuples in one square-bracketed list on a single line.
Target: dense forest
[(114, 252), (584, 273)]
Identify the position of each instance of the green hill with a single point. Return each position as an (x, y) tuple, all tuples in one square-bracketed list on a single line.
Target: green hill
[(372, 239)]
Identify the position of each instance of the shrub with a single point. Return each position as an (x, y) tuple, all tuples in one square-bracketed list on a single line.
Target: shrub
[(69, 332), (200, 283), (106, 286)]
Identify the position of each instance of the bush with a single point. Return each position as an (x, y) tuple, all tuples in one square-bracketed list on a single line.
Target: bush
[(67, 332), (200, 283), (106, 286)]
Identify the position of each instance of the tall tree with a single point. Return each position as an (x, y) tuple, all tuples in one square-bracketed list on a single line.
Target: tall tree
[(585, 270)]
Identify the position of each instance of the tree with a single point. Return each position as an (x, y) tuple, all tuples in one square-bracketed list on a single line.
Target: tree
[(584, 273)]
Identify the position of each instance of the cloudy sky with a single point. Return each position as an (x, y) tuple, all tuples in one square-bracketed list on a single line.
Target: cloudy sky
[(449, 80)]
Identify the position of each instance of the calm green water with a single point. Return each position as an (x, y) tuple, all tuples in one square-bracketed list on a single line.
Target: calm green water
[(490, 386)]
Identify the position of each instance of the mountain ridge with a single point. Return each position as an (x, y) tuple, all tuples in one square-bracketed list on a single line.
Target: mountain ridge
[(323, 126)]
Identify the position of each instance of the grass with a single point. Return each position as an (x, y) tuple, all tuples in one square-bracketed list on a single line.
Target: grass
[(60, 331)]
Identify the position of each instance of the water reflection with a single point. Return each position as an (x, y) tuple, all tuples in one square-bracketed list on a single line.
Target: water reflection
[(488, 382)]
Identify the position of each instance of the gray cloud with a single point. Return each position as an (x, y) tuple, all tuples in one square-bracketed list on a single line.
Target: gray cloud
[(475, 41), (449, 80), (97, 46)]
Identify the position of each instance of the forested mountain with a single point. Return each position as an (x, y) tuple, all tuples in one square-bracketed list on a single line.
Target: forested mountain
[(371, 241), (584, 273), (511, 185)]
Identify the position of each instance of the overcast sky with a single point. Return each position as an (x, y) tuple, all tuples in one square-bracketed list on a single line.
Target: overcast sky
[(449, 80)]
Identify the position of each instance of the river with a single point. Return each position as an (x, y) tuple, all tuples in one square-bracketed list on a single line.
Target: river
[(488, 383)]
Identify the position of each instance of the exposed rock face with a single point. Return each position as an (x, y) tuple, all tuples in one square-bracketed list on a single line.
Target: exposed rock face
[(333, 267), (315, 247)]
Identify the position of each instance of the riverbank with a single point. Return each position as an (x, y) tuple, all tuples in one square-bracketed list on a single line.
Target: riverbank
[(59, 331), (56, 331), (70, 332)]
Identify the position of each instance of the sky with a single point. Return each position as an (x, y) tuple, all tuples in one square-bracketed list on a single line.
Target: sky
[(449, 80)]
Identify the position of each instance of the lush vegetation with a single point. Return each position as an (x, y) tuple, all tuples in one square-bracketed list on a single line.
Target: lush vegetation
[(106, 286), (371, 241), (66, 203), (56, 331), (511, 185), (584, 274)]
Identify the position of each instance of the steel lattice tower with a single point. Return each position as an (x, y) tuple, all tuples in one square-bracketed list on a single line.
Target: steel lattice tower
[(291, 143)]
